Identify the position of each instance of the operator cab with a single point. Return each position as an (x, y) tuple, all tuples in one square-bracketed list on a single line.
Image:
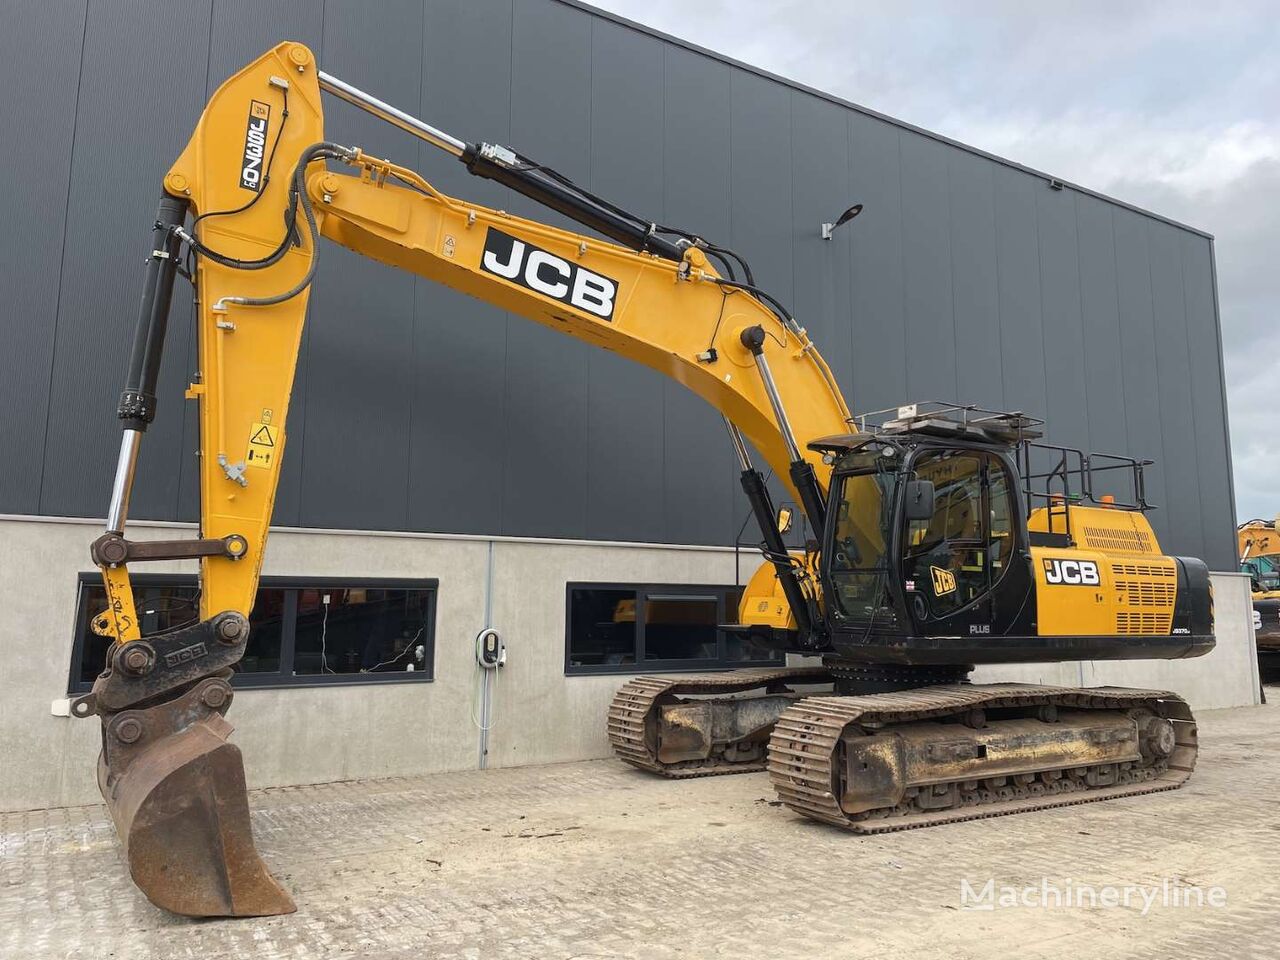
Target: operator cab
[(1264, 572), (928, 551)]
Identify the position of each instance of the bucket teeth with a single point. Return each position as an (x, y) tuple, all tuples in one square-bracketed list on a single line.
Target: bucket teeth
[(176, 791)]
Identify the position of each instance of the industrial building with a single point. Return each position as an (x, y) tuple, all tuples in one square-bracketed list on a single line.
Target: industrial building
[(453, 468)]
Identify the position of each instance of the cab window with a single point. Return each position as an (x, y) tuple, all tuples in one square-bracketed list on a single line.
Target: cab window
[(954, 557), (859, 563), (1000, 536), (1264, 571)]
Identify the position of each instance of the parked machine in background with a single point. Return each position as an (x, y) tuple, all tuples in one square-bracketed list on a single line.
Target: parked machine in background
[(948, 536), (1259, 546)]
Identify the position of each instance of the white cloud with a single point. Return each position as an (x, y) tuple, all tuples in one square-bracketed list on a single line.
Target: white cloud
[(1102, 150)]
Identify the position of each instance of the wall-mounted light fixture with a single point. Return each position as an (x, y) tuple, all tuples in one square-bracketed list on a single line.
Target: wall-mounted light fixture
[(829, 228)]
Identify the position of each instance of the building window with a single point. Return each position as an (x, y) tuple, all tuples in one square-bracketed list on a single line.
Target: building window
[(302, 632), (647, 628)]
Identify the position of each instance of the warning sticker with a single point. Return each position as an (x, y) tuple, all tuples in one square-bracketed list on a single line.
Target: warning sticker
[(264, 442)]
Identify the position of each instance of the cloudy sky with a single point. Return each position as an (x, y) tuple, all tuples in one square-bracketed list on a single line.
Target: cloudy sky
[(1173, 106)]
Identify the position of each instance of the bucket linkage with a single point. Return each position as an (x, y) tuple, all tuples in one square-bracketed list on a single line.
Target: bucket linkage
[(174, 785)]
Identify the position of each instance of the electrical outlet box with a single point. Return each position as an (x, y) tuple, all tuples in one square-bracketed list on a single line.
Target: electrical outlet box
[(491, 652)]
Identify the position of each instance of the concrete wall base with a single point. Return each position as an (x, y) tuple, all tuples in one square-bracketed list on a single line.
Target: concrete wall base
[(316, 735)]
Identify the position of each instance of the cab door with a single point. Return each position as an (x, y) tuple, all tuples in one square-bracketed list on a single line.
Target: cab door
[(957, 565)]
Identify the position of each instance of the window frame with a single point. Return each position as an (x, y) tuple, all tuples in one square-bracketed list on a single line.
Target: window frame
[(288, 629), (995, 461), (693, 591), (988, 461)]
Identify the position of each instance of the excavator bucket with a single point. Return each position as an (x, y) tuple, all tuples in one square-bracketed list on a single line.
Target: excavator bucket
[(176, 791)]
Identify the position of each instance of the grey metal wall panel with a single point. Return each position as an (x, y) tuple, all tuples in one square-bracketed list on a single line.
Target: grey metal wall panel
[(760, 183), (975, 287), (699, 470), (1100, 317), (821, 191), (625, 417), (355, 431), (113, 193), (418, 408), (40, 50), (926, 254), (877, 327), (760, 179), (460, 344), (1018, 265), (1173, 371), (546, 474), (242, 29), (1143, 428), (1063, 328), (1212, 450)]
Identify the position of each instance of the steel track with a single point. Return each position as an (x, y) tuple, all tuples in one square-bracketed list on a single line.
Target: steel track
[(804, 751)]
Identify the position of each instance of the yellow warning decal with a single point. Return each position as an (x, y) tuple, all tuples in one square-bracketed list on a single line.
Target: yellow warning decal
[(264, 444)]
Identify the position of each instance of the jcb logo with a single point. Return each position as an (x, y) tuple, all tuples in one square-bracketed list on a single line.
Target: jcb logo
[(547, 274), (1080, 573), (944, 581), (186, 655), (255, 146)]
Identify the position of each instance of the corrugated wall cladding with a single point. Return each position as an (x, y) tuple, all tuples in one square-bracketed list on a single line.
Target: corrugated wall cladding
[(417, 409)]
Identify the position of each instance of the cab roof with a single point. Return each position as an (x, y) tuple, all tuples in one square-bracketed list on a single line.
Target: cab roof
[(935, 420)]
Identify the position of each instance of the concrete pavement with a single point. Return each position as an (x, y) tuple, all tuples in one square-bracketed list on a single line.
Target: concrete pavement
[(594, 859)]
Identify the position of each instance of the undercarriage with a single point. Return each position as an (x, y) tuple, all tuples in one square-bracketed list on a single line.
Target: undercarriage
[(702, 725), (914, 757)]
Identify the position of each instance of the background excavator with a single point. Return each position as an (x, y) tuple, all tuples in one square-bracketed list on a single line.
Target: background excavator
[(1259, 545), (946, 536)]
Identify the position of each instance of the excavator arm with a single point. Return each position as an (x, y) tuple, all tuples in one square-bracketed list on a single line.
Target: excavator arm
[(245, 206), (671, 311)]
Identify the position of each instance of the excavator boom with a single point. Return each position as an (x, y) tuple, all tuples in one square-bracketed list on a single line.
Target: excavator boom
[(248, 200)]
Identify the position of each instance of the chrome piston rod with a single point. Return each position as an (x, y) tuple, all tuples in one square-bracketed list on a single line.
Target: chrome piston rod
[(739, 444), (803, 477), (505, 166), (384, 111), (779, 411), (122, 486)]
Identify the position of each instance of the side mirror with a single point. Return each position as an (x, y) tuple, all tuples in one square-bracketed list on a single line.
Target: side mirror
[(784, 519), (919, 500)]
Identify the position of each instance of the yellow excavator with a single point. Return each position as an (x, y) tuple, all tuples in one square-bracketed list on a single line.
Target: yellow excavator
[(945, 535), (1259, 545)]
